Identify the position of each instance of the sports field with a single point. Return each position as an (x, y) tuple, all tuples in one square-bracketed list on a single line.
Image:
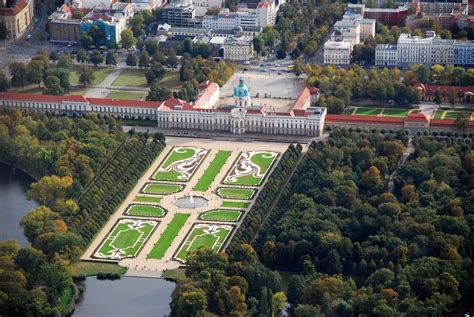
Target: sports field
[(236, 193), (203, 235), (125, 239), (212, 170), (235, 204), (250, 168), (168, 236), (221, 215), (147, 199), (180, 164), (145, 211), (161, 189)]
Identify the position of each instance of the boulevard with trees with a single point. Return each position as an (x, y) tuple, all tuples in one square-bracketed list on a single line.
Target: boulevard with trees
[(80, 165)]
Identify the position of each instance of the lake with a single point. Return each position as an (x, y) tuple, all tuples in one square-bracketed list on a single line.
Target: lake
[(129, 296), (13, 202)]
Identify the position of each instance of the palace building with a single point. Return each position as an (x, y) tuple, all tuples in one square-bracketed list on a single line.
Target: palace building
[(238, 114)]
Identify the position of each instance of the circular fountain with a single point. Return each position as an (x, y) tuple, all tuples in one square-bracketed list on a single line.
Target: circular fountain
[(191, 202)]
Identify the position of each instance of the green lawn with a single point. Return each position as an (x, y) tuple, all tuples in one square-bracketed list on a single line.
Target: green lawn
[(171, 80), (90, 268), (125, 239), (259, 162), (145, 211), (235, 204), (236, 193), (221, 215), (131, 77), (172, 167), (395, 112), (438, 114), (451, 114), (168, 236), (175, 274), (126, 95), (161, 189), (204, 235), (147, 199), (214, 168), (368, 111), (100, 73), (65, 298)]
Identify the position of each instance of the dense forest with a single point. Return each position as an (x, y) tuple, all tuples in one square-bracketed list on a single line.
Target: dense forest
[(73, 160), (352, 242)]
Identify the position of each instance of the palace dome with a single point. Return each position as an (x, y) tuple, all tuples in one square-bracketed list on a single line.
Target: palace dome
[(241, 90)]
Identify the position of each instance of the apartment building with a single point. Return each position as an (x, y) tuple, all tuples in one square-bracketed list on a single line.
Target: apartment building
[(386, 55), (238, 48), (16, 16)]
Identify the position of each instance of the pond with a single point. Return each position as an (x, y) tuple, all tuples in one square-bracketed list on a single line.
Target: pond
[(129, 296), (13, 202)]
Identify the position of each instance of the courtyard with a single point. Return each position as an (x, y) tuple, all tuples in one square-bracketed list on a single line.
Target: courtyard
[(195, 194)]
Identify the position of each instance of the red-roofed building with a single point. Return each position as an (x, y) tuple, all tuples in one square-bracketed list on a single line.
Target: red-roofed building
[(17, 16), (463, 93)]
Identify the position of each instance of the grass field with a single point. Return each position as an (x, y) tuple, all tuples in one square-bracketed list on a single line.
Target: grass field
[(438, 114), (395, 112), (211, 172), (145, 211), (221, 215), (180, 164), (126, 95), (236, 193), (171, 80), (125, 239), (131, 77), (368, 111), (250, 168), (203, 235), (93, 268), (65, 298), (168, 236), (100, 73), (235, 204), (451, 114), (161, 189), (147, 199)]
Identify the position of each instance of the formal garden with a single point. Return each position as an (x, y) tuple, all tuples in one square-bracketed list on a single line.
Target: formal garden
[(141, 210), (250, 168), (221, 215), (211, 236), (180, 164)]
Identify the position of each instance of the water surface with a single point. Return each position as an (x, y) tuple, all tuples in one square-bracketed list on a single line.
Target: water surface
[(127, 297), (13, 202)]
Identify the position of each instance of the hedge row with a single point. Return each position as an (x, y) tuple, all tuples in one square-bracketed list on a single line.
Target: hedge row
[(254, 218), (113, 186)]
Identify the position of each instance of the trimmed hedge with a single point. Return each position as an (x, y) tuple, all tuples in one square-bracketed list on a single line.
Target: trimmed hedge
[(254, 218)]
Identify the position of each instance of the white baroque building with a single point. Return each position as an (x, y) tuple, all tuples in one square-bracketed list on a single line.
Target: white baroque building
[(205, 114)]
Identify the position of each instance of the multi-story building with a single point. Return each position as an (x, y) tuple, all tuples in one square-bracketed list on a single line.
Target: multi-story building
[(386, 55), (337, 52), (238, 48), (110, 22), (63, 27), (202, 6), (463, 54), (16, 16), (179, 14), (430, 50), (239, 116), (386, 16)]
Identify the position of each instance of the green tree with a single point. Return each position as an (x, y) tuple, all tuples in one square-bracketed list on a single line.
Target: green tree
[(188, 46), (155, 73), (81, 56), (128, 40), (452, 96), (279, 303), (172, 59), (36, 71), (53, 86), (86, 40), (296, 287), (53, 56), (437, 97), (258, 44), (192, 303), (96, 58), (63, 76), (131, 59), (19, 74), (56, 278), (463, 120), (38, 221), (144, 60), (86, 75), (307, 311), (151, 46), (65, 61), (3, 81), (97, 35), (158, 93), (110, 58)]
